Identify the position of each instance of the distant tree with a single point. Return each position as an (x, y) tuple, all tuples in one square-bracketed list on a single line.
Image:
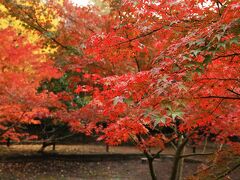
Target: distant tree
[(21, 72)]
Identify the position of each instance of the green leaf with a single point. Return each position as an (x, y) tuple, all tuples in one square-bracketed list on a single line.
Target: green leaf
[(166, 27), (182, 87), (196, 52), (163, 78), (234, 41), (159, 119), (186, 57), (199, 70), (191, 43), (224, 27), (191, 64), (147, 111), (175, 68), (222, 44), (166, 104), (128, 101), (49, 34), (200, 41), (74, 51), (207, 59), (188, 76), (117, 99), (174, 114), (177, 114), (218, 37), (180, 103)]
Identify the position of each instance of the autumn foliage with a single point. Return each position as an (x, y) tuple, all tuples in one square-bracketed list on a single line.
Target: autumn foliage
[(22, 68), (149, 72)]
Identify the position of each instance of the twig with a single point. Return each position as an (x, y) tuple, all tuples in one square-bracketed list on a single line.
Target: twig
[(219, 97), (228, 171), (196, 154), (233, 92)]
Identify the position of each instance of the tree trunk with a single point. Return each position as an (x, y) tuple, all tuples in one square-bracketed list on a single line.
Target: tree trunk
[(180, 166), (41, 150), (205, 145), (54, 146), (177, 165), (107, 148), (8, 142), (151, 168)]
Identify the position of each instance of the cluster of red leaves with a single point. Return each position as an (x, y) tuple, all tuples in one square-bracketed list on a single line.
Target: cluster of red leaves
[(22, 69), (166, 60), (150, 65)]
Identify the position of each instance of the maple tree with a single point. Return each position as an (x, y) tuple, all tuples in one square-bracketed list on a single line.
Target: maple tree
[(25, 65), (182, 86), (21, 72), (151, 72)]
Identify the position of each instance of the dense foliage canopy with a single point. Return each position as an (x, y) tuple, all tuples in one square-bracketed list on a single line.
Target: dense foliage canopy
[(153, 72)]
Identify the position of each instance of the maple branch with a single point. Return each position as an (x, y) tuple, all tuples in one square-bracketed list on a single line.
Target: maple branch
[(63, 137), (139, 36), (218, 5), (49, 140), (14, 124), (233, 92), (228, 171), (219, 97), (196, 154), (228, 55), (202, 170), (173, 145), (73, 20), (145, 151), (5, 130), (38, 27), (220, 102), (221, 79), (138, 65), (157, 154), (44, 31)]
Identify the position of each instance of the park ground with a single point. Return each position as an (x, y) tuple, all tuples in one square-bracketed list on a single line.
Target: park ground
[(72, 162)]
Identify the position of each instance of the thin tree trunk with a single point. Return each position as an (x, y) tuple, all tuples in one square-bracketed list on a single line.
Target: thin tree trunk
[(151, 168), (150, 159), (8, 142), (205, 145), (176, 160), (107, 148), (180, 166), (175, 165), (220, 147), (41, 150), (175, 170), (54, 146)]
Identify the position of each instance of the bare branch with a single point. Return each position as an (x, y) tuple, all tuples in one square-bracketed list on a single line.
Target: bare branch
[(228, 171), (196, 154)]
